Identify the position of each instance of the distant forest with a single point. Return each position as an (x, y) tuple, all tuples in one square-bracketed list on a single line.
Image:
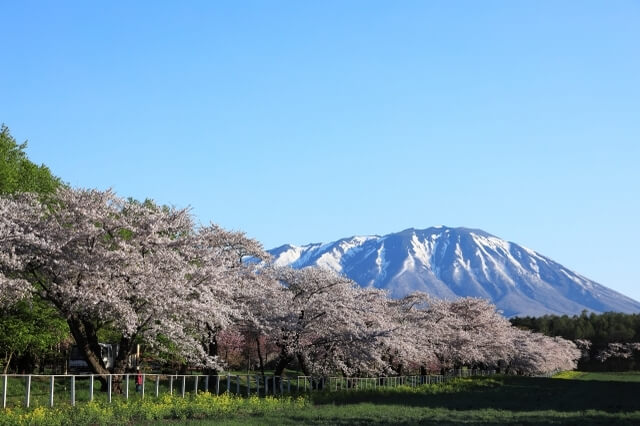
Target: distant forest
[(607, 333)]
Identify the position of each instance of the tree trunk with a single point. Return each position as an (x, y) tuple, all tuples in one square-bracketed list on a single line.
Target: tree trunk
[(6, 367), (121, 362), (212, 350), (283, 361), (304, 365), (85, 336), (260, 356)]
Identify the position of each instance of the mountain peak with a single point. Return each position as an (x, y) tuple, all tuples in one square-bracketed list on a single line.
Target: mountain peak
[(455, 262)]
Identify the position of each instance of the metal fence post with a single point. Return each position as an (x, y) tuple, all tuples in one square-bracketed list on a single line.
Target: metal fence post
[(126, 386), (4, 391), (91, 388), (206, 383), (144, 379), (218, 384), (184, 384), (157, 385), (109, 386), (27, 399), (229, 383), (288, 385), (51, 385), (195, 386), (73, 391), (171, 385)]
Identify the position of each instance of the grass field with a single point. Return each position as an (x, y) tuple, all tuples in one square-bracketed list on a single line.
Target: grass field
[(490, 401), (580, 398), (606, 376)]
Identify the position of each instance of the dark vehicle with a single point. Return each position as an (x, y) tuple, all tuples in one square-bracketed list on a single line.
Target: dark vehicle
[(78, 362)]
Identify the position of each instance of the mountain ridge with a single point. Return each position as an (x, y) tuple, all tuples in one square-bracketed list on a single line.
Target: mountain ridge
[(455, 262)]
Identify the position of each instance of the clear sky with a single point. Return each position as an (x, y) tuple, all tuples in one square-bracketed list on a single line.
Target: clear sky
[(304, 121)]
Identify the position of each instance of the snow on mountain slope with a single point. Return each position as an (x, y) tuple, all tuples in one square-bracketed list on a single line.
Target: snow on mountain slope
[(453, 262)]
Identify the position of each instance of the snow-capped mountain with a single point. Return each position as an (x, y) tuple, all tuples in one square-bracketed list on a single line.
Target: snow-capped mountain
[(453, 262)]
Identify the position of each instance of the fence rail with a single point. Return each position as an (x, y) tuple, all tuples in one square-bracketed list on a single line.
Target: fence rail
[(32, 389)]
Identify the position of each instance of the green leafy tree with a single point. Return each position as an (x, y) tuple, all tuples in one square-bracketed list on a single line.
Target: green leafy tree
[(30, 329), (17, 173), (601, 330)]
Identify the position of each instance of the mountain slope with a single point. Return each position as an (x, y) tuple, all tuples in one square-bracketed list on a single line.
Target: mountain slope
[(453, 262)]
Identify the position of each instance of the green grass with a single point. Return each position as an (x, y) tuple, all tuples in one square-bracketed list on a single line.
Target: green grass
[(491, 400), (606, 376)]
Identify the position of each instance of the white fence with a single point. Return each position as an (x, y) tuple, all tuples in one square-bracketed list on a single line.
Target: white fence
[(55, 389)]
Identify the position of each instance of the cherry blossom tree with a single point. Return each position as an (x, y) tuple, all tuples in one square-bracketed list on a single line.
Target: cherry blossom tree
[(324, 321), (137, 268), (235, 278), (584, 346), (476, 334), (416, 330), (231, 343), (539, 354), (618, 350), (469, 332)]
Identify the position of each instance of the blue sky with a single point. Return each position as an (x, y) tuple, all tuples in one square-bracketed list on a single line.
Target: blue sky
[(301, 122)]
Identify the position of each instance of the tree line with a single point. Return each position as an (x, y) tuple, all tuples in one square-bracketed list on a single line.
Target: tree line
[(101, 266), (609, 341)]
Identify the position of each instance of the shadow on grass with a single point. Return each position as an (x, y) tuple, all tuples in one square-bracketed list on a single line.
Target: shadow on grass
[(438, 417), (522, 420), (509, 393)]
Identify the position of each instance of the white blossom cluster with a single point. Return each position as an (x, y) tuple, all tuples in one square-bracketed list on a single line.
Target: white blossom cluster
[(618, 350), (149, 273)]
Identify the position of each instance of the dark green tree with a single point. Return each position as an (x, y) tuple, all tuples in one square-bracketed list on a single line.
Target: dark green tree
[(599, 329), (30, 329), (17, 173)]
